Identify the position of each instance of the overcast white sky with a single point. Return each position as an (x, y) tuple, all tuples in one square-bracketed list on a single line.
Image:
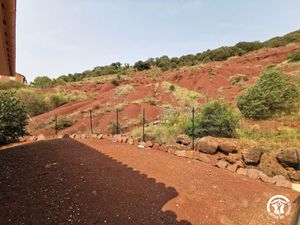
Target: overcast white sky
[(56, 37)]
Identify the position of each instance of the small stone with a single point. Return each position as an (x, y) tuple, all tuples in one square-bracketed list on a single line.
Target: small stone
[(210, 159), (149, 144), (142, 144), (282, 182), (41, 137), (130, 141), (63, 136), (294, 176), (222, 164), (156, 146), (232, 158), (266, 178), (32, 138), (240, 164), (232, 168), (183, 139), (242, 171), (48, 166), (180, 153), (253, 173)]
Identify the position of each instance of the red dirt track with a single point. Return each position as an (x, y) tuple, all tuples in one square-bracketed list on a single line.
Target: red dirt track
[(97, 182)]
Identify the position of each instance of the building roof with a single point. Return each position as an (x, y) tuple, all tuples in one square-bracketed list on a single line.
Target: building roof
[(8, 37)]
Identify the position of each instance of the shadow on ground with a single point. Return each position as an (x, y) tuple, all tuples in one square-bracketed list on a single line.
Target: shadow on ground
[(65, 182)]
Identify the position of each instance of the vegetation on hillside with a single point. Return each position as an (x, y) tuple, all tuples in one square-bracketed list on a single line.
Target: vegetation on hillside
[(294, 57), (214, 119), (166, 63), (272, 94), (9, 85), (37, 102), (12, 118), (63, 122)]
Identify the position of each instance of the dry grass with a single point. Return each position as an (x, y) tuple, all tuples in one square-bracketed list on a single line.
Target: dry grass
[(185, 97)]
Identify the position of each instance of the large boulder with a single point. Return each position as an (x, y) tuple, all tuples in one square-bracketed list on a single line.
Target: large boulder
[(183, 139), (270, 166), (228, 146), (289, 157), (294, 176), (207, 145), (252, 156)]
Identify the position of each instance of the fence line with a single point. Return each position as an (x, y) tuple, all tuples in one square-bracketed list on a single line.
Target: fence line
[(250, 131)]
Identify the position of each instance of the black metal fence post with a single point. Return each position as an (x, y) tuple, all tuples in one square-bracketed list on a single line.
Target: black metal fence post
[(117, 121), (193, 112), (91, 121), (55, 127), (143, 124)]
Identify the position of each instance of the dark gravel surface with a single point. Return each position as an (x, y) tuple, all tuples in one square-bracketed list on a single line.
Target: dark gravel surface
[(66, 182)]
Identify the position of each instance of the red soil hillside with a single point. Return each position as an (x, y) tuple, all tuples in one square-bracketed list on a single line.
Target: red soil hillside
[(149, 90)]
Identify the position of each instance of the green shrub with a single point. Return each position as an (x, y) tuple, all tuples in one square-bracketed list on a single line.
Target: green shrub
[(42, 82), (140, 66), (34, 102), (12, 118), (7, 85), (172, 87), (166, 132), (115, 82), (58, 99), (294, 57), (214, 119), (272, 94), (37, 103), (63, 123)]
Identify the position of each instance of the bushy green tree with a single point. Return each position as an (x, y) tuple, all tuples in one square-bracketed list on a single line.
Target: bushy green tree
[(140, 65), (12, 118), (272, 94), (249, 46), (214, 119), (42, 82)]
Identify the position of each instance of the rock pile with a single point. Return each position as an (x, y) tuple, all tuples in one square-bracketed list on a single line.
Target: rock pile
[(256, 163)]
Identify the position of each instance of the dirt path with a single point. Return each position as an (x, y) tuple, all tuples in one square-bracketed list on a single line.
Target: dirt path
[(67, 182), (206, 194)]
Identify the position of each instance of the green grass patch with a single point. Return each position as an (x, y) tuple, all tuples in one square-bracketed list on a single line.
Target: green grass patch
[(185, 97), (123, 90)]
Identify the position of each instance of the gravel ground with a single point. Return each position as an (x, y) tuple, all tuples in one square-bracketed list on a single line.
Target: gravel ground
[(97, 182)]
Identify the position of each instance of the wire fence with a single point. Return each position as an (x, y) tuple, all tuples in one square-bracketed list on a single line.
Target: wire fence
[(282, 131)]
